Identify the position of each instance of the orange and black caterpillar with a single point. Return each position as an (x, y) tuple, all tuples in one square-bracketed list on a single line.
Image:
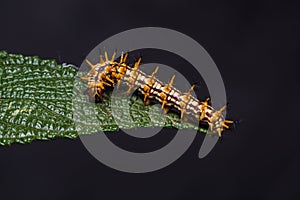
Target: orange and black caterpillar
[(108, 73)]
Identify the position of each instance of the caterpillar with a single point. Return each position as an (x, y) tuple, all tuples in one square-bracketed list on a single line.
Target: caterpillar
[(109, 73)]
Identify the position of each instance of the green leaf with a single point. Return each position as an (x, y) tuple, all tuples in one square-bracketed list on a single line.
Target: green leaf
[(37, 102)]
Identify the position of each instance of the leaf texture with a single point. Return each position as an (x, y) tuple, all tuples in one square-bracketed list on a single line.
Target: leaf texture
[(37, 102)]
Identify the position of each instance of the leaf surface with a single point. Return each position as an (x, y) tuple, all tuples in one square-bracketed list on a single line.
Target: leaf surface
[(37, 102)]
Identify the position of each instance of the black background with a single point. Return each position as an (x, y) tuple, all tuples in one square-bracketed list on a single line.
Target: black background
[(255, 45)]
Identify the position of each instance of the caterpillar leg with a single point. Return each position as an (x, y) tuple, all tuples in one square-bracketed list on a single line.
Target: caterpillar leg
[(163, 97), (182, 108), (146, 91), (166, 110), (147, 102), (94, 94), (131, 84)]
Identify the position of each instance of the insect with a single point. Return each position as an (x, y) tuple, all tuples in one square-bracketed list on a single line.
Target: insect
[(109, 73)]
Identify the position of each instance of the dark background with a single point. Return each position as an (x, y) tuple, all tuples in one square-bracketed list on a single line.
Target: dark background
[(255, 44)]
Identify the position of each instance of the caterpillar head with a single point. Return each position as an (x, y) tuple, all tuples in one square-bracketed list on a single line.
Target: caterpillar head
[(99, 76), (103, 74)]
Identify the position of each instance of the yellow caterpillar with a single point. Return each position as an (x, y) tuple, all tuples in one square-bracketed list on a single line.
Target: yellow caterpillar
[(108, 73)]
